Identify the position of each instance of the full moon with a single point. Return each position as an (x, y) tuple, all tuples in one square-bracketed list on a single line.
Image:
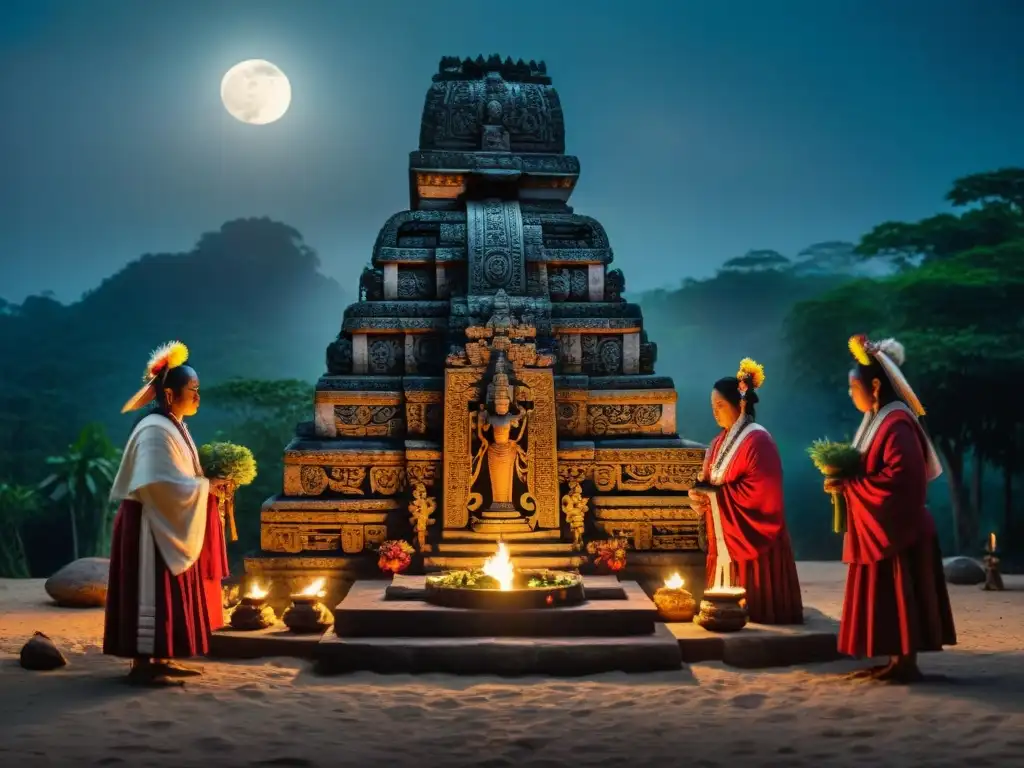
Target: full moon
[(256, 92)]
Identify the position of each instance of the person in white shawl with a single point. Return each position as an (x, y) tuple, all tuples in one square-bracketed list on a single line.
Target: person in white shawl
[(156, 611)]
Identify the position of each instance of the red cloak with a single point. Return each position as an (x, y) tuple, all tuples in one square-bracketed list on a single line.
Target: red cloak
[(752, 512), (213, 565), (896, 601)]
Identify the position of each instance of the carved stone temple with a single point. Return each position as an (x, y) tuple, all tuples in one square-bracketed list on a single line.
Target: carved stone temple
[(491, 382)]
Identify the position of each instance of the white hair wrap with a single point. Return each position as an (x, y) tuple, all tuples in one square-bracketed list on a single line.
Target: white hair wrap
[(890, 354)]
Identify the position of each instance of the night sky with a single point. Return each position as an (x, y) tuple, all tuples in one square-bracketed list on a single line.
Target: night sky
[(704, 128)]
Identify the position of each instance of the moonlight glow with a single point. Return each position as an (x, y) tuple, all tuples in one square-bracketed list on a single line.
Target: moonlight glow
[(256, 92)]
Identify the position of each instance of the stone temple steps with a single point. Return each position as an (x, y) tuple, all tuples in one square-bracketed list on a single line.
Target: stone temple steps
[(514, 548), (527, 548)]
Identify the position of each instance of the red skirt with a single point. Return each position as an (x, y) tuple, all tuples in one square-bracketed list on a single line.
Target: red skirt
[(213, 565), (771, 581), (897, 606), (182, 627)]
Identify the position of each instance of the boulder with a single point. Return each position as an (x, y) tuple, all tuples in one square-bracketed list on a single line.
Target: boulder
[(40, 654), (963, 570), (80, 584)]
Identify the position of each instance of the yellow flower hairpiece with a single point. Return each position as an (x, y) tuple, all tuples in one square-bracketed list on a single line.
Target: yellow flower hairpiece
[(170, 355), (752, 370), (859, 349)]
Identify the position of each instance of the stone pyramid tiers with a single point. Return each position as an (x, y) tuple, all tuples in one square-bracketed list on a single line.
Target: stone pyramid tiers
[(492, 381)]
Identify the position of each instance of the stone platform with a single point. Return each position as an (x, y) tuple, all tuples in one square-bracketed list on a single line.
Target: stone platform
[(663, 647), (367, 612), (559, 656)]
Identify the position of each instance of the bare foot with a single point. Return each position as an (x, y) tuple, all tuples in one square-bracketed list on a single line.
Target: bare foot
[(869, 673), (150, 676), (901, 674), (171, 668)]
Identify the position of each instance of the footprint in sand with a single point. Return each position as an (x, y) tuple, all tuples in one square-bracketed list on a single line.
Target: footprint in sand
[(531, 743), (841, 713), (748, 700), (745, 747), (446, 704), (109, 761), (251, 691), (213, 744), (779, 717), (286, 760), (404, 711)]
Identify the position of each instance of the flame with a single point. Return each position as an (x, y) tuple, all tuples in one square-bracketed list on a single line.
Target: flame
[(256, 592), (675, 581), (991, 542), (316, 589), (725, 591), (500, 567)]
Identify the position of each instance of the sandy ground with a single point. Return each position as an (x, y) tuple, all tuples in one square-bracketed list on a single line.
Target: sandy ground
[(275, 713)]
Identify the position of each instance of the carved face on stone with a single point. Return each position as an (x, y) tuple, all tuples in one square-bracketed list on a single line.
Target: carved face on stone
[(501, 394)]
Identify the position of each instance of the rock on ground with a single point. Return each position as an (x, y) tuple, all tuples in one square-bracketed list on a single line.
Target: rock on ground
[(963, 570), (80, 584), (41, 654)]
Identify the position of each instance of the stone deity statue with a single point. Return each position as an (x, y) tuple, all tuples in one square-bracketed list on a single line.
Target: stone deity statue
[(505, 420)]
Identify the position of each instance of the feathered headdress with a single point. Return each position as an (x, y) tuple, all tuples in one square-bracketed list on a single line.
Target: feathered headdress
[(890, 356), (750, 376), (170, 355)]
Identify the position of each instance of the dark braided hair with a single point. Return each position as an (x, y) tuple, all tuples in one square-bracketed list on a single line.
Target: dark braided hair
[(867, 373), (176, 379), (729, 388)]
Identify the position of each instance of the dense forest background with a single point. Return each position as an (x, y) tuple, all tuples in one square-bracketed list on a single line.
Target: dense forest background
[(250, 302)]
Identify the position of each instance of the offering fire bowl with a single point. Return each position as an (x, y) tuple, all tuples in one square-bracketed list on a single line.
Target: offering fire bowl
[(499, 586), (252, 613), (306, 614)]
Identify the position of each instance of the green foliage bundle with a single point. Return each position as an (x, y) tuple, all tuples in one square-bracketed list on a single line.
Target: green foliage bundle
[(834, 459), (839, 461), (227, 461)]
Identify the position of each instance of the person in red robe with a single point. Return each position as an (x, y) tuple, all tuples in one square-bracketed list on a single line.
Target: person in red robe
[(164, 538), (740, 495), (896, 603)]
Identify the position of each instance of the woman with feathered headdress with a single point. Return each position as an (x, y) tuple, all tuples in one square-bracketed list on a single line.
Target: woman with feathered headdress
[(740, 495), (896, 603), (167, 541)]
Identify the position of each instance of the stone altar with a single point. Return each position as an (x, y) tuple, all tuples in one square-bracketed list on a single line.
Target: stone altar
[(491, 382)]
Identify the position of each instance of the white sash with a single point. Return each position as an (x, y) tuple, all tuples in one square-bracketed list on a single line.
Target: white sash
[(731, 443), (872, 422)]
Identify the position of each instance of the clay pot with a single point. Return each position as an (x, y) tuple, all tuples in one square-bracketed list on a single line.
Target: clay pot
[(307, 615), (723, 612), (252, 614), (675, 604)]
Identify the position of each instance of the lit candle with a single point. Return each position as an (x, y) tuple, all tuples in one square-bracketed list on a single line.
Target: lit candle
[(992, 542), (675, 581)]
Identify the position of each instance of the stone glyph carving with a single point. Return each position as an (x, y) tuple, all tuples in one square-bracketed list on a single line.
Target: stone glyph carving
[(574, 507), (421, 510)]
